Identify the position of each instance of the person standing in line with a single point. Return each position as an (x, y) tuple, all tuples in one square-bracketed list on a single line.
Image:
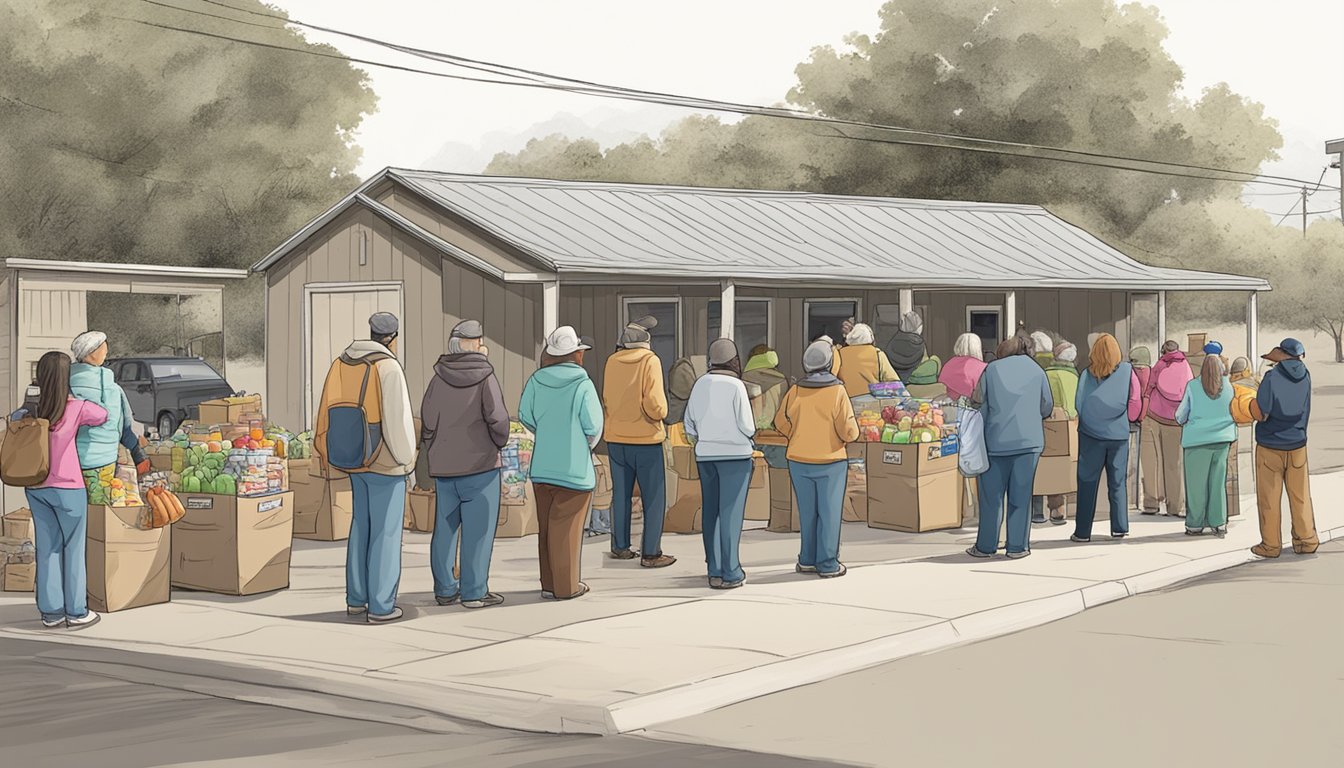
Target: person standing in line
[(91, 380), (1208, 433), (635, 405), (1108, 399), (60, 503), (964, 370), (1063, 377), (561, 408), (720, 422), (1014, 399), (859, 363), (1283, 409), (1141, 453), (906, 349), (464, 426), (818, 420), (364, 428), (1166, 387)]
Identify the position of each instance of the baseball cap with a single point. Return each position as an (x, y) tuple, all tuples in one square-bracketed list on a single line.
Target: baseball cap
[(384, 324), (1287, 349), (468, 329), (564, 341)]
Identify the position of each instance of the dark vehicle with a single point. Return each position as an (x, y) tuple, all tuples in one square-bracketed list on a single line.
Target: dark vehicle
[(165, 391)]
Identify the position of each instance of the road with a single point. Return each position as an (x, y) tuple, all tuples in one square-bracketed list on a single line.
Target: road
[(53, 716), (1242, 668)]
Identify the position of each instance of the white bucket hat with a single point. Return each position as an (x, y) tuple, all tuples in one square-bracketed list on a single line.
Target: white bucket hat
[(564, 341)]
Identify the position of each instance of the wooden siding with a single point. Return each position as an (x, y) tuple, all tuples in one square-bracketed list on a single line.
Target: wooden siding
[(453, 230)]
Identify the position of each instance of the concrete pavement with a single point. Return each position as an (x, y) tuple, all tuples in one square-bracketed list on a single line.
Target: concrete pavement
[(646, 647)]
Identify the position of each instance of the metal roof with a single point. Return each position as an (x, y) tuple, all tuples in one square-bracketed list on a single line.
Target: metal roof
[(132, 270), (595, 228)]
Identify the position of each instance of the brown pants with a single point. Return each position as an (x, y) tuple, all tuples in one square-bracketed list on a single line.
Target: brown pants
[(1277, 471), (561, 514), (1163, 472)]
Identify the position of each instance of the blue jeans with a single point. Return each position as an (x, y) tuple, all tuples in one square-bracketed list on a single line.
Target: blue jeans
[(373, 554), (1093, 456), (1010, 477), (820, 489), (723, 488), (60, 521), (642, 463), (470, 506)]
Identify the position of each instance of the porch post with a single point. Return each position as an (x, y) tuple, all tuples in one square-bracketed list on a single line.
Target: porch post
[(550, 306), (728, 310), (1161, 319), (907, 300), (1009, 314), (1252, 325)]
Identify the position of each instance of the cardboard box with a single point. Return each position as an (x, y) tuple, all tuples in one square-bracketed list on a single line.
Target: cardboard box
[(683, 462), (233, 545), (518, 520), (1055, 475), (684, 505), (223, 411), (783, 507), (20, 577), (323, 508), (19, 524), (602, 494), (855, 509), (758, 492), (913, 488), (1061, 438), (421, 507), (128, 566)]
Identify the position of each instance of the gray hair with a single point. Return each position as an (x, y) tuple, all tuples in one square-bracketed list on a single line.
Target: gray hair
[(1169, 347), (969, 345), (911, 322), (859, 334), (455, 346)]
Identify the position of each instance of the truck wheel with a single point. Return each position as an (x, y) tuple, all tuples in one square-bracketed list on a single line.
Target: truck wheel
[(167, 426)]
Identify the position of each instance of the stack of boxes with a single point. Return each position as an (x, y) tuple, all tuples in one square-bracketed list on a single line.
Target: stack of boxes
[(17, 555)]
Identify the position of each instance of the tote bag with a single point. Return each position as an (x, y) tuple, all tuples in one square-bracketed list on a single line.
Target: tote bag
[(973, 460)]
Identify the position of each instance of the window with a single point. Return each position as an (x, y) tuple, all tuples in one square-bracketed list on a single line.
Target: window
[(184, 370), (987, 323), (667, 335), (130, 372), (826, 317), (752, 320)]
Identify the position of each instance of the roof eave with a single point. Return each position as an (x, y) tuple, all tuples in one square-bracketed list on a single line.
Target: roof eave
[(325, 218)]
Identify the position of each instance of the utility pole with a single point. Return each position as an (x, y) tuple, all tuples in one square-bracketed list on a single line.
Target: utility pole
[(1336, 147), (1304, 211)]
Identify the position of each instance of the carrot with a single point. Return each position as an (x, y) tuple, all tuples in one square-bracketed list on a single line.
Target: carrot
[(177, 511)]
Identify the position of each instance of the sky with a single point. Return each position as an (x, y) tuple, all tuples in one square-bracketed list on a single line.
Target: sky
[(1286, 54)]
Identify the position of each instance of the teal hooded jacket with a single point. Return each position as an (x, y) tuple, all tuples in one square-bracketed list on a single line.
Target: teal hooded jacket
[(561, 407), (97, 446)]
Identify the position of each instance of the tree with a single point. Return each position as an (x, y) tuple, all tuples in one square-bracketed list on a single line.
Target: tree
[(129, 143)]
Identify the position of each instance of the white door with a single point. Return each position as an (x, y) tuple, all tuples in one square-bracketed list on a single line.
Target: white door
[(336, 316)]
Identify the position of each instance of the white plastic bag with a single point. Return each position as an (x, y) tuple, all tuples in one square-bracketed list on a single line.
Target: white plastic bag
[(973, 460)]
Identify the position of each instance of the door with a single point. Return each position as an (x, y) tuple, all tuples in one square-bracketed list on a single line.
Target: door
[(336, 316), (987, 323), (135, 381)]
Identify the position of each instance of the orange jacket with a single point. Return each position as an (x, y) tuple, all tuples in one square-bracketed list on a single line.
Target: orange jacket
[(819, 423), (634, 400)]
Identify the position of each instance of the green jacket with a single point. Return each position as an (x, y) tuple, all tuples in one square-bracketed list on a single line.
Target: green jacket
[(1063, 380), (926, 372)]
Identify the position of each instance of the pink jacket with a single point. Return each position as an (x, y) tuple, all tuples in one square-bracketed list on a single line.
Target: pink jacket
[(1144, 374), (1166, 386), (960, 376), (64, 469)]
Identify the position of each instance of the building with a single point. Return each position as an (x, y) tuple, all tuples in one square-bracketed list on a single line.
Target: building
[(527, 255)]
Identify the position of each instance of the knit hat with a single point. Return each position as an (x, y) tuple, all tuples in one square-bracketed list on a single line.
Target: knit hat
[(468, 329), (1041, 343), (818, 356), (1213, 348), (86, 344), (383, 324), (1066, 352), (1141, 356), (637, 332), (722, 351)]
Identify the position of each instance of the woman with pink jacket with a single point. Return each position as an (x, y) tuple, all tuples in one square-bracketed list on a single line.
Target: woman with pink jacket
[(964, 370), (1166, 387)]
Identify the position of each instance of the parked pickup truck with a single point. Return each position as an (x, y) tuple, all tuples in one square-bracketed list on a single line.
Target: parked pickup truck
[(165, 391)]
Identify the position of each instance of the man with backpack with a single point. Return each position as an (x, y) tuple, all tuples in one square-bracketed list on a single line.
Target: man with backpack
[(364, 428)]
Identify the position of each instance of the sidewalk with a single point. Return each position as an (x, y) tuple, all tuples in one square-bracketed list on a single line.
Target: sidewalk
[(646, 646)]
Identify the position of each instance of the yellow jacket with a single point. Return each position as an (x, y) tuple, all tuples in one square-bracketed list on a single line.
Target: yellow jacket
[(860, 365), (633, 399), (819, 423), (1245, 409)]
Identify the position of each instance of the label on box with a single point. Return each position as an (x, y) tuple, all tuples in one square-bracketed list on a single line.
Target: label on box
[(267, 506), (892, 457), (200, 502), (935, 451)]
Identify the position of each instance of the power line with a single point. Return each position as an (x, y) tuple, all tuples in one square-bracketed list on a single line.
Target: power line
[(609, 91)]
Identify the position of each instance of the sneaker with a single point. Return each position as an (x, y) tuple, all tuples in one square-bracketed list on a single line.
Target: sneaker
[(490, 599), (715, 582), (1260, 550), (1309, 549), (1220, 531), (800, 568), (53, 623), (1119, 535), (1149, 512), (1061, 520), (393, 616), (623, 554), (449, 600), (657, 561), (545, 595), (1194, 532), (583, 590), (355, 610), (974, 552), (834, 574), (83, 622), (1038, 519), (1076, 539), (1017, 555), (731, 584)]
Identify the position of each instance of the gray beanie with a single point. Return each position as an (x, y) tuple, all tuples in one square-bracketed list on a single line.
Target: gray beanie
[(722, 351), (818, 356), (636, 334), (86, 343)]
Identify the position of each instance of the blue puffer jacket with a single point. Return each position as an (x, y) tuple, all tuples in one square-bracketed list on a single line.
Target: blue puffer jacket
[(97, 446)]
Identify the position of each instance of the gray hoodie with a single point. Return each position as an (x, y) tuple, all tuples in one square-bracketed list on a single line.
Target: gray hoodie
[(465, 421)]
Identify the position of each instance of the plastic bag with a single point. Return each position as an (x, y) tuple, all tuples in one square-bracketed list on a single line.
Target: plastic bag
[(973, 459)]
